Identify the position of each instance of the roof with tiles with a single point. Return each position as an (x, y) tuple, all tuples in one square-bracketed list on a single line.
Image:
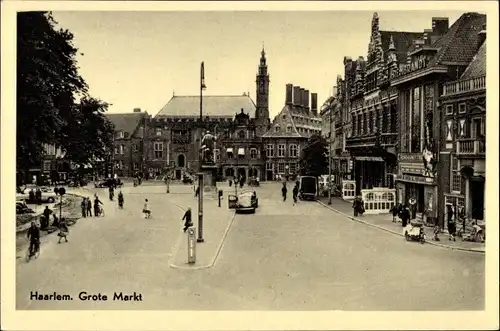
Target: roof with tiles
[(403, 41), (284, 120), (280, 125), (477, 67), (459, 44), (126, 122), (213, 106)]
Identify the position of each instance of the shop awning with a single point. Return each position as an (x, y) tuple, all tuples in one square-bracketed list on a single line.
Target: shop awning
[(241, 151), (229, 150), (369, 158)]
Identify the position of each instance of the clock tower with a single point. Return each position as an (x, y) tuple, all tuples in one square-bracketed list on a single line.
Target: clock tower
[(262, 107)]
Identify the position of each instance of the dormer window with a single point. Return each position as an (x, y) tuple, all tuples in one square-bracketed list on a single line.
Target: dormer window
[(158, 132), (277, 128), (289, 129), (119, 135)]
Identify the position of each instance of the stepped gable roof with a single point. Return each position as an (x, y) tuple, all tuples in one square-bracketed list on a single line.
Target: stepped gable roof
[(213, 106), (403, 41), (282, 121), (477, 67), (459, 44), (126, 122)]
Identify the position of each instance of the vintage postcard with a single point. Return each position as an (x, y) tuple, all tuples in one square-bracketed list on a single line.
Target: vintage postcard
[(249, 165)]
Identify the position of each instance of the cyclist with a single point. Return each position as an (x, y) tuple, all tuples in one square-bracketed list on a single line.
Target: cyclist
[(97, 210), (34, 238)]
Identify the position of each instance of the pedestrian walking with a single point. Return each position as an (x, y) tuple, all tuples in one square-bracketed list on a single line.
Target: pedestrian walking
[(405, 216), (295, 193), (63, 231), (452, 225), (187, 219), (230, 183), (96, 206), (284, 191), (197, 192), (89, 207), (84, 207), (413, 208)]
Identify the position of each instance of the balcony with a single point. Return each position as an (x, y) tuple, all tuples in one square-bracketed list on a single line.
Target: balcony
[(470, 146), (463, 86)]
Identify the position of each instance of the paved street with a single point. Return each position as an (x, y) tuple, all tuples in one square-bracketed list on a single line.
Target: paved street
[(285, 257)]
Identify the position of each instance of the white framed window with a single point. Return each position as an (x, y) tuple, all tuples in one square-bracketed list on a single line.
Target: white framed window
[(462, 108), (217, 154), (135, 147), (270, 150), (293, 168), (449, 109), (136, 166), (281, 150), (158, 150), (253, 153), (269, 166), (158, 132), (277, 128), (294, 151), (120, 135), (281, 168)]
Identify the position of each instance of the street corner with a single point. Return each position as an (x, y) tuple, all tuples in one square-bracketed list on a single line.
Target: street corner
[(190, 254)]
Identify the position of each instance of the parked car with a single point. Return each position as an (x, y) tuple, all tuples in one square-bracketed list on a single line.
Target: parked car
[(308, 188), (246, 201), (108, 182), (22, 208)]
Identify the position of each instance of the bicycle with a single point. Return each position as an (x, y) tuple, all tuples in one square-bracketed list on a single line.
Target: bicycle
[(34, 254)]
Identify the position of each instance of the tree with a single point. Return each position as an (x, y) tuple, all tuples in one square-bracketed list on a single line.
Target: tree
[(48, 84), (313, 160), (88, 134)]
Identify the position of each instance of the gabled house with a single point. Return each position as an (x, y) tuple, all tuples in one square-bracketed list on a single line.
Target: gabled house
[(463, 139), (127, 157), (289, 132), (422, 159)]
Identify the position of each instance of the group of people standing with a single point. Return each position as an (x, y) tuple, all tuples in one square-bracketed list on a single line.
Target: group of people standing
[(86, 206), (295, 192)]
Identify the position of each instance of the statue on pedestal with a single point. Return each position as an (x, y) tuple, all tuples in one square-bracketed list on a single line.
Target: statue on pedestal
[(207, 148)]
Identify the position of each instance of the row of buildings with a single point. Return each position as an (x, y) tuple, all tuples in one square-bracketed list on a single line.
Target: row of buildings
[(408, 122), (249, 144)]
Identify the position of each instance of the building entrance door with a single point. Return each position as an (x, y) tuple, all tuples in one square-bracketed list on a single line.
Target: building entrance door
[(269, 175), (477, 199)]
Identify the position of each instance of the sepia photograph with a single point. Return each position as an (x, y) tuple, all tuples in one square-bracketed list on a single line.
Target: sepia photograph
[(250, 160)]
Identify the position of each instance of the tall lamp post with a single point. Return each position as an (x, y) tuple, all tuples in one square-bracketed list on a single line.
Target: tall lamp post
[(200, 172), (329, 182)]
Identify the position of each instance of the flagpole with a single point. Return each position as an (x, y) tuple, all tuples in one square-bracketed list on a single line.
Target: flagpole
[(200, 160)]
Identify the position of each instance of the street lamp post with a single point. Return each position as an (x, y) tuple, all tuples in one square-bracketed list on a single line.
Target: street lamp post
[(200, 174)]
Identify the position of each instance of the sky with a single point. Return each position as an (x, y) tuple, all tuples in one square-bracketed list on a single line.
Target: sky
[(140, 59)]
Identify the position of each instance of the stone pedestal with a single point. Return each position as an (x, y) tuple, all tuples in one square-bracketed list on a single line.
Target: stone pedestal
[(209, 177)]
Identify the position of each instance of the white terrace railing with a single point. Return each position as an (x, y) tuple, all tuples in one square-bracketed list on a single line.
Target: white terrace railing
[(466, 85)]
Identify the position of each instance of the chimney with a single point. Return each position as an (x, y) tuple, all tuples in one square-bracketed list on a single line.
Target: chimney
[(137, 110), (289, 94), (481, 36), (302, 97), (427, 36), (314, 103), (440, 25), (306, 99), (296, 96)]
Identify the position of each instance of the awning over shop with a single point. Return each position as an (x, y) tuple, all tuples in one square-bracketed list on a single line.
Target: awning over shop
[(369, 158), (241, 151), (229, 150)]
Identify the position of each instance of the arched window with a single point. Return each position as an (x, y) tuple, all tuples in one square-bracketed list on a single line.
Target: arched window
[(241, 134)]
